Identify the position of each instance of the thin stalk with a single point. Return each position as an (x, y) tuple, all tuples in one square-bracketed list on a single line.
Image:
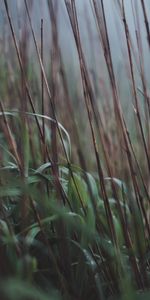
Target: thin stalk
[(74, 23), (42, 89), (133, 85), (146, 22), (52, 106)]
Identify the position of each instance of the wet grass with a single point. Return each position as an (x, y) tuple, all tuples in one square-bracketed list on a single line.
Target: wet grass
[(74, 209)]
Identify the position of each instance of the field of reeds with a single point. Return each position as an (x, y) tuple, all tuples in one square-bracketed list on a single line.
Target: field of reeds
[(74, 155)]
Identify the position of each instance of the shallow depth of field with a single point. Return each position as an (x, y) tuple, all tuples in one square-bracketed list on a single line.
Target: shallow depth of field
[(74, 149)]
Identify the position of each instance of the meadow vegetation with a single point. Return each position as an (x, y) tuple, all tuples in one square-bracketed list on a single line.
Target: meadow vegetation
[(74, 171)]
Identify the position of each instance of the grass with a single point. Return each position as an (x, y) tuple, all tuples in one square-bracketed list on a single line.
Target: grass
[(74, 210)]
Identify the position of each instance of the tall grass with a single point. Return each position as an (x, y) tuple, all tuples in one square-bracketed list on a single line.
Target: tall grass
[(74, 210)]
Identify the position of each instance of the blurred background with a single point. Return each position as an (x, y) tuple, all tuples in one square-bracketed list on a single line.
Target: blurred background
[(92, 46)]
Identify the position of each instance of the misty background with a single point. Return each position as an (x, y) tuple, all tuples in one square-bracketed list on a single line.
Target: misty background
[(89, 36)]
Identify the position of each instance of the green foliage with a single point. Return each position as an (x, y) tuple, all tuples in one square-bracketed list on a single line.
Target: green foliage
[(73, 222)]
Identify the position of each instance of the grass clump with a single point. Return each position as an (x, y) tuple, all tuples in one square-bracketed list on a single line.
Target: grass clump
[(74, 209)]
